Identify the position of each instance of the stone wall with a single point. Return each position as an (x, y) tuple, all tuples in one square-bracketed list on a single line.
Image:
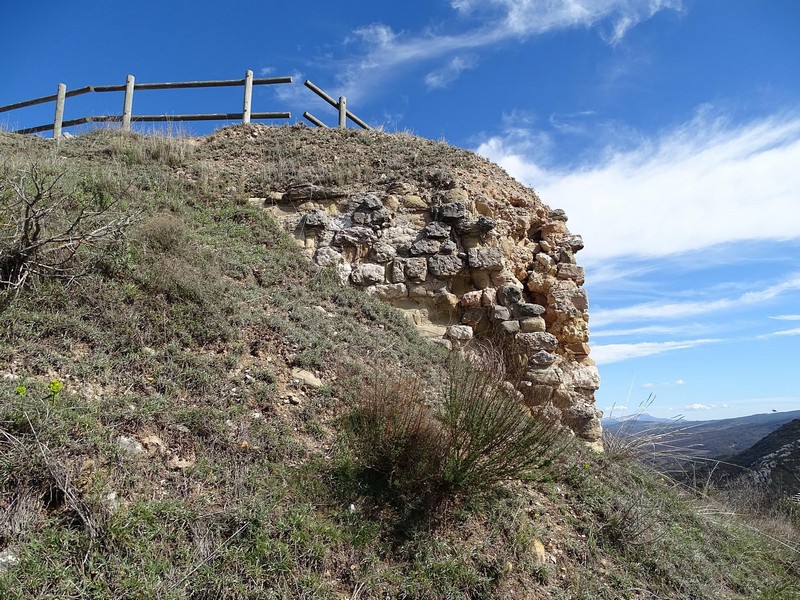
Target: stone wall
[(462, 264)]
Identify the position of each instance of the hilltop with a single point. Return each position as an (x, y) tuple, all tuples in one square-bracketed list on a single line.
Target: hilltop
[(183, 394)]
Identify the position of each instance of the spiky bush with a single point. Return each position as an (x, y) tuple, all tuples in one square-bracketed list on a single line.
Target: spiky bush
[(476, 435)]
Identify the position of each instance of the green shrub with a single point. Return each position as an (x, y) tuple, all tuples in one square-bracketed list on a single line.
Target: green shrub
[(479, 436), (491, 436)]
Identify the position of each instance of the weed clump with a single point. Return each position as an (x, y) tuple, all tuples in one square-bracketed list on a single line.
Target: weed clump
[(423, 449)]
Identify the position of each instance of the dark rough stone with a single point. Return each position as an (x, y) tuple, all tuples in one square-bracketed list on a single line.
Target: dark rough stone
[(509, 295), (454, 211), (448, 247), (479, 226), (425, 246), (485, 224), (575, 242), (558, 214), (371, 202), (445, 266), (316, 218), (373, 218), (437, 230), (524, 309)]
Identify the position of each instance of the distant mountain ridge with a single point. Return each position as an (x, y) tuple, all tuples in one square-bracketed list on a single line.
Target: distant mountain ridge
[(715, 439)]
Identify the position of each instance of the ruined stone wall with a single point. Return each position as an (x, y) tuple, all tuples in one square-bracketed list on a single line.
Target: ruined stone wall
[(461, 263)]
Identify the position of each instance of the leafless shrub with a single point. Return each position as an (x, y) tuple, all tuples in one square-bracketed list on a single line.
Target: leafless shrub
[(44, 225)]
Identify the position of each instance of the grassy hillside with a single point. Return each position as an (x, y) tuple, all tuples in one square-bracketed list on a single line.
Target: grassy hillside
[(183, 400)]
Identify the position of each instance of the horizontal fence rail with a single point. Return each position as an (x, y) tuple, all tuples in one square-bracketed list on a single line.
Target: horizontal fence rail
[(157, 119), (127, 117)]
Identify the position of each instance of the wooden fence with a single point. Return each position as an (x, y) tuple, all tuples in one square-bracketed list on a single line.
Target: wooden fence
[(127, 117)]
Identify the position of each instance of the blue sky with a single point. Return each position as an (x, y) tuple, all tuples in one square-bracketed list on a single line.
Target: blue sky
[(669, 130)]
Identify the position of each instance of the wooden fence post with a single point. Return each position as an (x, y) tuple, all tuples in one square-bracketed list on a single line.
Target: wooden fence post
[(59, 117), (342, 112), (248, 96), (127, 106)]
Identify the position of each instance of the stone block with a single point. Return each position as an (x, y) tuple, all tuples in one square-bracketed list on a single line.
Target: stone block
[(500, 313), (523, 310), (416, 269), (327, 257), (533, 342), (414, 202), (437, 230), (459, 333), (454, 195), (425, 246), (532, 325), (391, 291), (445, 265), (471, 299), (489, 259), (355, 236), (367, 274), (382, 252), (509, 326), (571, 271)]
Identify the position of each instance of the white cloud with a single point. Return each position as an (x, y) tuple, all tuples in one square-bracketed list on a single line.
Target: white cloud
[(611, 353), (665, 384), (528, 17), (786, 318), (669, 310), (441, 78), (700, 406), (650, 330), (264, 71), (795, 331), (494, 21), (705, 183)]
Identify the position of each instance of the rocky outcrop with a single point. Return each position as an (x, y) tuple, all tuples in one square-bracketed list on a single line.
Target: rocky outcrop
[(462, 264)]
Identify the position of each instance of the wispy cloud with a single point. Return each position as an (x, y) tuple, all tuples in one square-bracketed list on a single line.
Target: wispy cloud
[(650, 330), (665, 384), (690, 188), (786, 318), (444, 76), (611, 353), (529, 17), (670, 310), (782, 332), (381, 51), (698, 406)]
